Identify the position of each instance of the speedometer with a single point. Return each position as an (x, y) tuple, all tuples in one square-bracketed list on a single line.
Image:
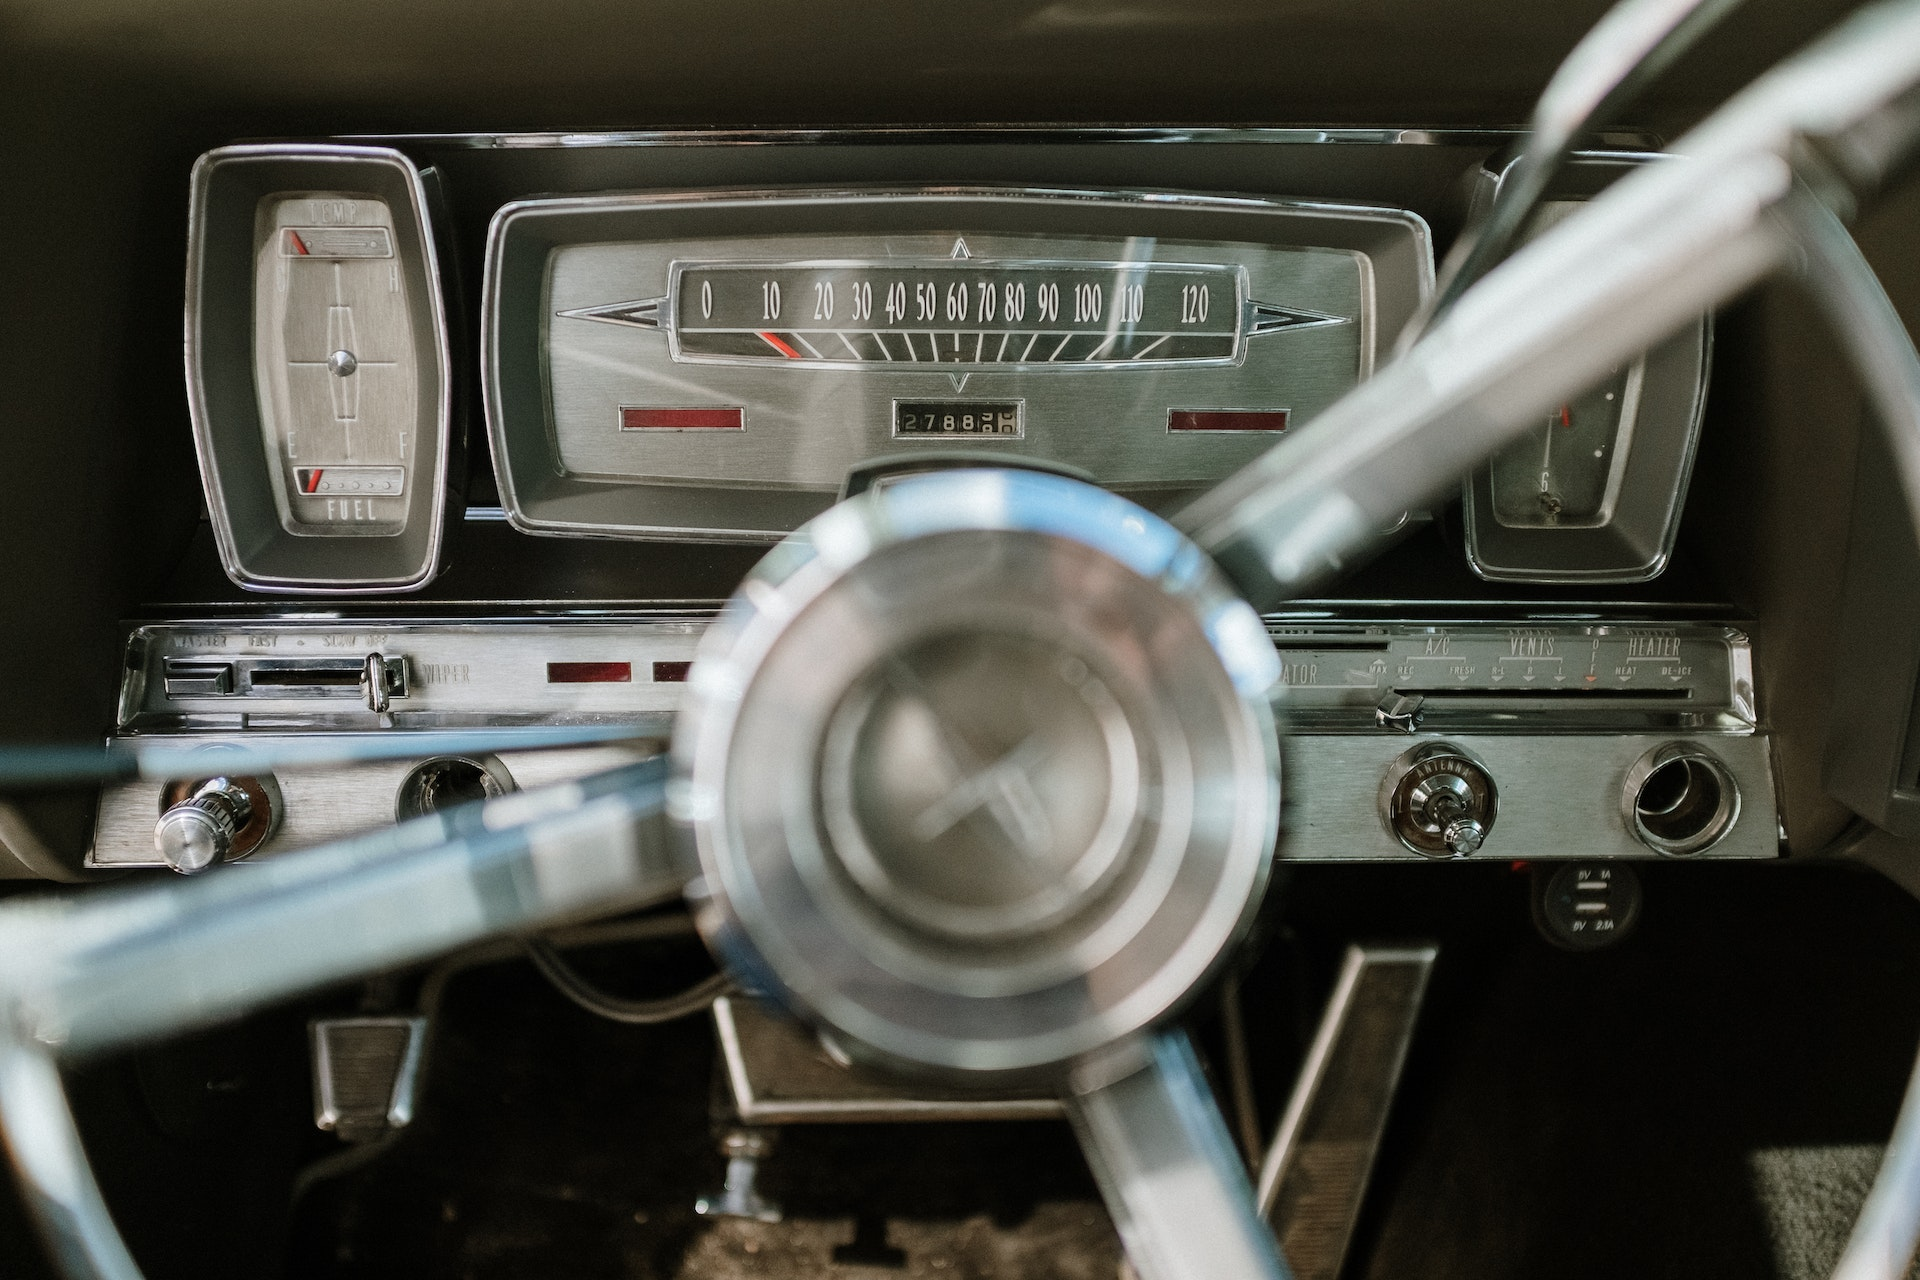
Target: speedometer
[(716, 367)]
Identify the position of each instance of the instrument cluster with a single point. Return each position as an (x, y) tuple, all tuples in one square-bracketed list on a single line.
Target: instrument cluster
[(724, 364)]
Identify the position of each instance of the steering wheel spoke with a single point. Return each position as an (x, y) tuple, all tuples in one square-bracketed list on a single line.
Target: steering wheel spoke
[(94, 974), (1171, 1178)]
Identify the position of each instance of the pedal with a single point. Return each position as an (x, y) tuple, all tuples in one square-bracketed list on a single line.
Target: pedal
[(1315, 1174), (365, 1074)]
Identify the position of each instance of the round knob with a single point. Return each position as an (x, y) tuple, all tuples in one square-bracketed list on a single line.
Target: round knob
[(198, 832), (1439, 802), (1465, 836)]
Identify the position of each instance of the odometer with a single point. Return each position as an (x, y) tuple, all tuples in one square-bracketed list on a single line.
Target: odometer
[(995, 419)]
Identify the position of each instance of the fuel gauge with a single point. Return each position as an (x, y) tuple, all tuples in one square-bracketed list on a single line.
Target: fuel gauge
[(333, 343), (318, 369)]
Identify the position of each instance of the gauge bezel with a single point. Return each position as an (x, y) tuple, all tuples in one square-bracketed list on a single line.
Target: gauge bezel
[(538, 493), (1636, 540), (255, 548)]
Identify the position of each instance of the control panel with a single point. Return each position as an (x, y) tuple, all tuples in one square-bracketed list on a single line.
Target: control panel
[(1404, 741)]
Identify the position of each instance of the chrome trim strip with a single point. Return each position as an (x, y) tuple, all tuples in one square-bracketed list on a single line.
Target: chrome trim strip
[(1053, 134)]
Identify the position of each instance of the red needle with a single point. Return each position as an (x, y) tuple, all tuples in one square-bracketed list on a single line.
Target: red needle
[(1566, 416), (299, 245), (781, 347)]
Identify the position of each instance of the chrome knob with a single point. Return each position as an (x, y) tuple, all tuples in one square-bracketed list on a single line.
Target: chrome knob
[(1465, 836), (1438, 801), (199, 831)]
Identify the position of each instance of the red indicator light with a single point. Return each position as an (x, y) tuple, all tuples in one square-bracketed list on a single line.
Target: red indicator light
[(589, 672), (671, 672), (1226, 419), (682, 419)]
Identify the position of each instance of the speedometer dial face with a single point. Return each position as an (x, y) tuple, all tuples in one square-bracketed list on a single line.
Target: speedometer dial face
[(986, 316), (334, 343), (1147, 362)]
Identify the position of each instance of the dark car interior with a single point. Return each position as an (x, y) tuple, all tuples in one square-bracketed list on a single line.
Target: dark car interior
[(1017, 640)]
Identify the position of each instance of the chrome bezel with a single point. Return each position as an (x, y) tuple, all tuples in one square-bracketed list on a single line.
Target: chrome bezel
[(1726, 814), (1378, 323), (1649, 496), (429, 480)]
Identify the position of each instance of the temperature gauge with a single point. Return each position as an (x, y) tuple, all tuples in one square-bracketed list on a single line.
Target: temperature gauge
[(1593, 492), (1563, 474)]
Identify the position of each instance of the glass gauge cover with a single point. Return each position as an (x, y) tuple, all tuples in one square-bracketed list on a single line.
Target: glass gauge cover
[(1593, 492), (319, 376), (718, 367)]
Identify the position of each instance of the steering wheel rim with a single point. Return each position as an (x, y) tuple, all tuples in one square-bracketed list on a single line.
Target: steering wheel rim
[(1678, 238)]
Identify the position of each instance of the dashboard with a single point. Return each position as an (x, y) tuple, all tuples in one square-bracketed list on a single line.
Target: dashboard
[(486, 424)]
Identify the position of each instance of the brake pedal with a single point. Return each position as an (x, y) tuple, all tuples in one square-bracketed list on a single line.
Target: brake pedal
[(365, 1074)]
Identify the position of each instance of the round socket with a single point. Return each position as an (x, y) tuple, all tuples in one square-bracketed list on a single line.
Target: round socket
[(1680, 799), (445, 782)]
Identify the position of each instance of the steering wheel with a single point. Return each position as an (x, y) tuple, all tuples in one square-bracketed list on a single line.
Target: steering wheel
[(978, 772)]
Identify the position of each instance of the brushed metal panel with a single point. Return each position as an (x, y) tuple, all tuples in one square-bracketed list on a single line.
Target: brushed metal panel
[(1560, 795), (1558, 713), (323, 805)]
